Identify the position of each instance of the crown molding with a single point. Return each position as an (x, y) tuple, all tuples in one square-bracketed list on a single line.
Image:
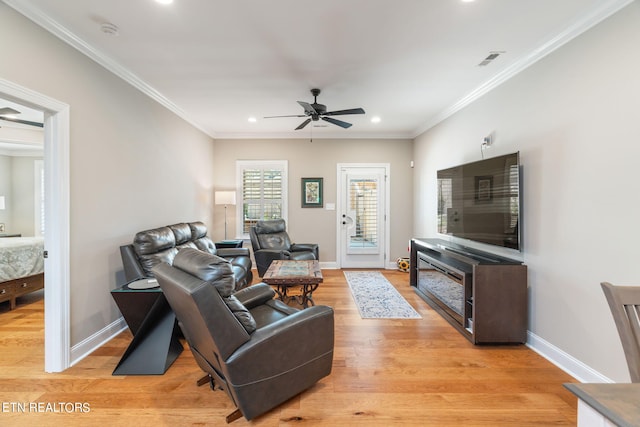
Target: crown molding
[(40, 18), (606, 9), (308, 135)]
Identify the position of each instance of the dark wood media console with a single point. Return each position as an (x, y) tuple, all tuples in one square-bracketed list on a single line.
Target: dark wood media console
[(484, 296)]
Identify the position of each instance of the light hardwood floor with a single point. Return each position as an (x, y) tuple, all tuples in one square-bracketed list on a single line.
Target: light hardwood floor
[(385, 372)]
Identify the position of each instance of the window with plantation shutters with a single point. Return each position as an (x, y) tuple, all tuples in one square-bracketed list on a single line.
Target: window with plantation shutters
[(263, 192)]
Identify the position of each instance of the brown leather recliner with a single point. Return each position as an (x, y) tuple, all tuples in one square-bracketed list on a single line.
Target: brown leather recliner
[(260, 351), (270, 241)]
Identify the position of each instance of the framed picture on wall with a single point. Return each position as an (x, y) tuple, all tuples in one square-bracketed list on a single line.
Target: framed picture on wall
[(311, 192)]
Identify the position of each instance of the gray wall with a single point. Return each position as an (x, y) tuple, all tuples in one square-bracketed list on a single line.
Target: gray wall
[(133, 164), (5, 190), (23, 195), (17, 184), (319, 159), (574, 118)]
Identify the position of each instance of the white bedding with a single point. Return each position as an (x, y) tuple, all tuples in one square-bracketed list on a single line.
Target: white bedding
[(20, 257)]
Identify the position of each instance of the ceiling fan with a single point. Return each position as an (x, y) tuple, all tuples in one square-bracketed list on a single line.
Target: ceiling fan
[(316, 111), (10, 111)]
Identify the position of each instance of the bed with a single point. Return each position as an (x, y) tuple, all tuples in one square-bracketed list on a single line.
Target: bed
[(21, 267)]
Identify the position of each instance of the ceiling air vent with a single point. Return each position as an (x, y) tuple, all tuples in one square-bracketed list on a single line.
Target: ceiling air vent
[(109, 29), (492, 55)]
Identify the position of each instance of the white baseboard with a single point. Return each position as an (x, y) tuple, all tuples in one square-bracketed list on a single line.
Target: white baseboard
[(392, 265), (328, 265), (565, 361), (334, 266), (90, 344)]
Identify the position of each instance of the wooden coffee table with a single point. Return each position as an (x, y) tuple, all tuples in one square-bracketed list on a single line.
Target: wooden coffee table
[(286, 274)]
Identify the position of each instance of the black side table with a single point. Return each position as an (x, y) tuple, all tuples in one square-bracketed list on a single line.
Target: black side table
[(155, 345), (228, 244)]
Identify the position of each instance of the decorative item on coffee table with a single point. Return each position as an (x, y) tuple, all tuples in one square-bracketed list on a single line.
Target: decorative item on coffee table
[(288, 274)]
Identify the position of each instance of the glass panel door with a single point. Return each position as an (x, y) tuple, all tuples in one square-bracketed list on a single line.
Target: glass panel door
[(362, 215), (363, 209)]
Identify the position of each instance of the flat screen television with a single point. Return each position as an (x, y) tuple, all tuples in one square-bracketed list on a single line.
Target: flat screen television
[(480, 201)]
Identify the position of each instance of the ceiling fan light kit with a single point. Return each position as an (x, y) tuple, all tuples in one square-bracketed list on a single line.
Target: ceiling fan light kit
[(315, 112)]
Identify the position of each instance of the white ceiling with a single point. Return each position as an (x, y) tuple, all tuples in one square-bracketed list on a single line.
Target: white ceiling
[(411, 62)]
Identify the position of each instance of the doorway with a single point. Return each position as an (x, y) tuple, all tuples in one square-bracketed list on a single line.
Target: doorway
[(56, 237), (363, 214)]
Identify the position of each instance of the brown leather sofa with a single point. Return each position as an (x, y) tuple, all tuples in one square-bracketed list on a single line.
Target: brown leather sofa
[(160, 245), (260, 351), (270, 241)]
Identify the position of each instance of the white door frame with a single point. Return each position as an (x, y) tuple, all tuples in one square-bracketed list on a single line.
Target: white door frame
[(57, 348), (387, 207)]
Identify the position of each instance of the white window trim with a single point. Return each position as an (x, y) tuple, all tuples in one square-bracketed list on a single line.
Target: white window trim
[(249, 164)]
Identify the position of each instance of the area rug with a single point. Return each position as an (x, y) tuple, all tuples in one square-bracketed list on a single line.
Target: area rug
[(376, 298)]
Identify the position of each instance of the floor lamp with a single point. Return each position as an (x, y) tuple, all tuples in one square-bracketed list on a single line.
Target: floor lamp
[(225, 198)]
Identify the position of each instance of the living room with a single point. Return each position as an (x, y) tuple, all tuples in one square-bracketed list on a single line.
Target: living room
[(571, 115)]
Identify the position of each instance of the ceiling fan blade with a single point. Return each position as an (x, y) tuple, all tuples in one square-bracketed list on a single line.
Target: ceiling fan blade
[(23, 122), (336, 122), (294, 115), (345, 112), (308, 109), (303, 124), (8, 110)]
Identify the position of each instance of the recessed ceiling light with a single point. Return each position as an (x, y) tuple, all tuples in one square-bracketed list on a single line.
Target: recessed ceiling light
[(252, 119), (375, 119), (164, 1), (468, 1)]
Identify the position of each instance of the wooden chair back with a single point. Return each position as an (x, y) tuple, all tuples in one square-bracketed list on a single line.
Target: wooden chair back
[(624, 302)]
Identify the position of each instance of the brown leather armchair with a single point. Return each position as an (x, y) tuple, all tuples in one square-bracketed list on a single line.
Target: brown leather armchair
[(260, 351), (270, 241)]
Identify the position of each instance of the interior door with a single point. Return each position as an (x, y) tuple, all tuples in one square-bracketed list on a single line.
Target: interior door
[(362, 216)]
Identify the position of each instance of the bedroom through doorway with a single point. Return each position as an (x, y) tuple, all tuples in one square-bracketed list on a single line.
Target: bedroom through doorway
[(52, 198)]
